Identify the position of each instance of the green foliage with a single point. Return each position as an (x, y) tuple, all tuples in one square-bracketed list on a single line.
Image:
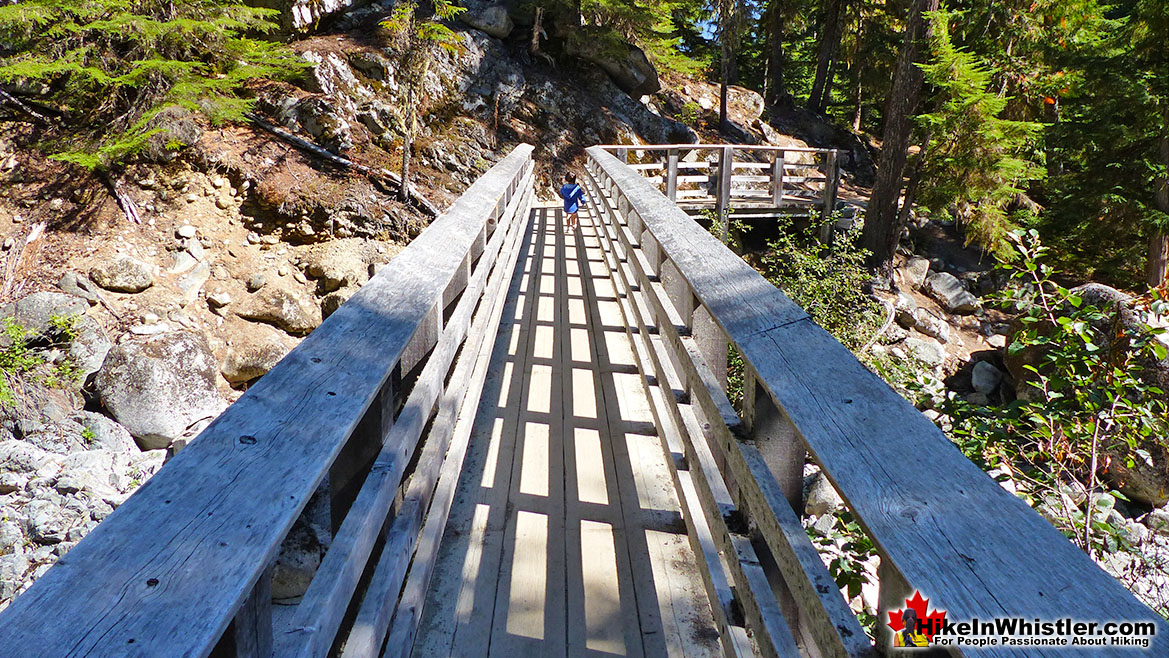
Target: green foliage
[(1087, 403), (845, 548), (974, 163), (19, 361), (118, 68), (651, 25), (827, 283)]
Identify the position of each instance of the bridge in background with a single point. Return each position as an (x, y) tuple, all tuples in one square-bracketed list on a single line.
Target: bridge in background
[(526, 446)]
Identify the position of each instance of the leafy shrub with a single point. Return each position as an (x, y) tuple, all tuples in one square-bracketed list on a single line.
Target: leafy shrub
[(827, 283), (1087, 404)]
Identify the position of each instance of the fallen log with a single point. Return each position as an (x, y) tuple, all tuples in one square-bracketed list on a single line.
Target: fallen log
[(378, 175)]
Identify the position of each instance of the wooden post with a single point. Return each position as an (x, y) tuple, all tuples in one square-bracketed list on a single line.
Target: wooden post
[(623, 154), (357, 456), (831, 179), (672, 174), (723, 198), (893, 592), (250, 634), (776, 439), (778, 166)]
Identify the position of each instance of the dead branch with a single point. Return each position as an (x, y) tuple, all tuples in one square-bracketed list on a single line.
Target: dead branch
[(21, 107), (378, 174)]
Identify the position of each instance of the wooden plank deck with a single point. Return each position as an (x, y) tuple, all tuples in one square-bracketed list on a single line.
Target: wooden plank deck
[(565, 538)]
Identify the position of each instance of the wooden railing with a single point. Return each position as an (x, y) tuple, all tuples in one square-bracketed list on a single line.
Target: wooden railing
[(939, 524), (183, 567), (753, 181)]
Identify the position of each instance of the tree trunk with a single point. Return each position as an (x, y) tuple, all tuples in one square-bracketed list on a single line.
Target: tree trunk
[(829, 43), (407, 143), (776, 93), (858, 98), (882, 229), (1157, 265)]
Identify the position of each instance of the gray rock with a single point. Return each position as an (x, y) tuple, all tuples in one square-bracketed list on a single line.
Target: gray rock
[(73, 284), (333, 301), (926, 350), (632, 71), (219, 299), (256, 281), (300, 555), (159, 387), (125, 274), (62, 437), (21, 457), (915, 271), (89, 346), (287, 309), (950, 293), (1158, 521), (192, 282), (186, 231), (49, 523), (985, 378), (35, 312), (104, 433), (253, 354), (905, 306), (9, 483), (931, 325), (493, 20), (822, 497)]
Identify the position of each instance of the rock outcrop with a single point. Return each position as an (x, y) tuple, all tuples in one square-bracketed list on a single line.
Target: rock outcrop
[(161, 387)]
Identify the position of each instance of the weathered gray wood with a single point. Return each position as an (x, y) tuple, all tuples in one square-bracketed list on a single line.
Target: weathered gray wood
[(726, 161), (227, 501), (672, 174), (936, 535), (250, 634), (832, 176), (319, 615)]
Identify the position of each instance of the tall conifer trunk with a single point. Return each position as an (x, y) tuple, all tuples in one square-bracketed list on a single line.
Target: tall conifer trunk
[(882, 228), (776, 90), (1157, 265), (829, 44)]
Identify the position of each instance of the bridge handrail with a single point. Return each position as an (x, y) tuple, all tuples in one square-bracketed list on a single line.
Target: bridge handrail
[(188, 556), (938, 522)]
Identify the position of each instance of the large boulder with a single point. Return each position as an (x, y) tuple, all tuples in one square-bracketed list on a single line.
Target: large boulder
[(161, 387), (123, 274), (913, 274), (625, 63), (89, 346), (950, 293), (290, 310), (985, 378), (493, 20), (339, 263)]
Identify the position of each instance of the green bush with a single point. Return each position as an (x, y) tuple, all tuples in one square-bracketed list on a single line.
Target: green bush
[(828, 283)]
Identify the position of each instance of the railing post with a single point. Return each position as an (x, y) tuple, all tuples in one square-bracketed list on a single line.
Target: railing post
[(623, 154), (831, 179), (672, 174), (778, 165), (250, 634), (723, 198)]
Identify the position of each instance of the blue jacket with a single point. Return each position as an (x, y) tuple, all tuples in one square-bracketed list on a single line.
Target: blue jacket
[(573, 196)]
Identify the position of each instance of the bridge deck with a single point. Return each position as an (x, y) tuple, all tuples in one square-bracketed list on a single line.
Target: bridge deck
[(565, 538)]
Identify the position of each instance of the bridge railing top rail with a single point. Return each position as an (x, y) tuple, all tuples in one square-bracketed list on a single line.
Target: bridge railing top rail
[(711, 147), (939, 523), (184, 557)]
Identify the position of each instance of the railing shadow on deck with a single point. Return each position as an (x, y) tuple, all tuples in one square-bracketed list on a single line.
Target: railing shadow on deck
[(939, 524), (183, 567)]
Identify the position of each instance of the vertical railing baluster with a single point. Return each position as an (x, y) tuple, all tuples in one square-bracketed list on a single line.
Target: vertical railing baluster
[(722, 202), (831, 176), (778, 165), (672, 174)]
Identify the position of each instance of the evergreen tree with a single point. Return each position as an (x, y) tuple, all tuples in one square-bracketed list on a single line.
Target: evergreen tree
[(418, 39), (973, 162), (118, 70)]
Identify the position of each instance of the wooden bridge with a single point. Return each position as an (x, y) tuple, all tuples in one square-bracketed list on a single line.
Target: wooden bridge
[(527, 448)]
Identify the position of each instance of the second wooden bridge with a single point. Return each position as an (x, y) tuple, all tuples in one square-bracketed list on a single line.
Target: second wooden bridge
[(525, 444)]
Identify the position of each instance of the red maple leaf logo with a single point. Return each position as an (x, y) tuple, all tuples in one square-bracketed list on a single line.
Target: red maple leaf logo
[(930, 622)]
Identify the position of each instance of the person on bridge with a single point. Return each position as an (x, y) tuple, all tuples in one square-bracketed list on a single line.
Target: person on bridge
[(573, 197)]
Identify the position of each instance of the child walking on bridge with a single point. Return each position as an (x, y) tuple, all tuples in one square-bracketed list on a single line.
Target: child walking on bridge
[(573, 197)]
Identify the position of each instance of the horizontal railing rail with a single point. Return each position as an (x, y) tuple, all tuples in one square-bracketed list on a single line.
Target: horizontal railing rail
[(752, 181), (183, 567), (939, 524)]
